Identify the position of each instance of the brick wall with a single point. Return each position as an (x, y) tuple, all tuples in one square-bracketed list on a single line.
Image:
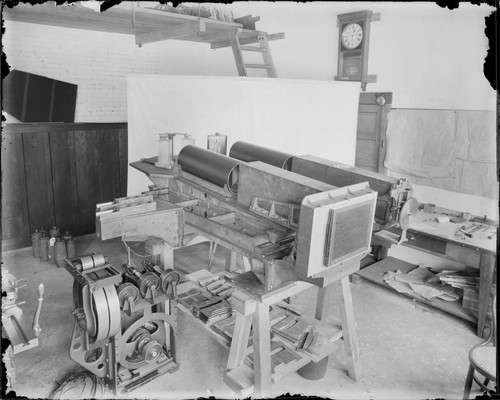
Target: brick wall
[(98, 63)]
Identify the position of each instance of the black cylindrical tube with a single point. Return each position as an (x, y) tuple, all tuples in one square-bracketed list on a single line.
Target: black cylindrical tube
[(248, 152), (210, 166)]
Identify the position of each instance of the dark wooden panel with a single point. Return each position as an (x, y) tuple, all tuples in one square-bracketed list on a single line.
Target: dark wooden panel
[(13, 87), (107, 165), (87, 178), (64, 102), (38, 100), (64, 182), (123, 154), (366, 152), (15, 222), (371, 97), (45, 127), (39, 180), (69, 168), (372, 124), (368, 122), (423, 242)]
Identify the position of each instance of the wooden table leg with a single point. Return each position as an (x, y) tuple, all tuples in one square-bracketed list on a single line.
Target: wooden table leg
[(262, 351), (211, 254), (231, 260), (486, 272), (239, 342), (349, 331)]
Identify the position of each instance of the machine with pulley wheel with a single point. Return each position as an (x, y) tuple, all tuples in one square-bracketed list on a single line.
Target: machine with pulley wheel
[(125, 323)]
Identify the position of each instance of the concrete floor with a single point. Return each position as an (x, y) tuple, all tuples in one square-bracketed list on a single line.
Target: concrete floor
[(407, 350)]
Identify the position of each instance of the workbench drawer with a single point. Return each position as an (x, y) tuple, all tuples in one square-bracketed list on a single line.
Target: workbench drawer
[(423, 242)]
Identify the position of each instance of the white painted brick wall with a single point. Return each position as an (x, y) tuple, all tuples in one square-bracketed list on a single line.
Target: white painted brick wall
[(98, 63)]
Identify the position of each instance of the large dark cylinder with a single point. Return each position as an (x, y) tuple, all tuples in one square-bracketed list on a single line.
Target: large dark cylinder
[(249, 152), (212, 167)]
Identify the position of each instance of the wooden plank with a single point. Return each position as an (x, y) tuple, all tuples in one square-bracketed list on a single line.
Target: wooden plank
[(41, 127), (39, 181), (64, 186), (367, 123), (349, 331), (87, 178), (108, 164), (487, 271), (366, 152), (123, 159), (239, 341), (15, 221), (262, 351), (247, 40), (269, 182), (172, 32), (165, 224)]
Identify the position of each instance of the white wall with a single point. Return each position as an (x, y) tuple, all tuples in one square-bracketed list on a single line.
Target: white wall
[(429, 57), (98, 62), (295, 116)]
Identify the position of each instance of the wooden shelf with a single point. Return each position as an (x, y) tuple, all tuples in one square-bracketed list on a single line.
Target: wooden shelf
[(375, 272), (147, 24), (241, 378)]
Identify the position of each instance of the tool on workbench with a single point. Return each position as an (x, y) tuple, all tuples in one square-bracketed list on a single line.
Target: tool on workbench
[(36, 322)]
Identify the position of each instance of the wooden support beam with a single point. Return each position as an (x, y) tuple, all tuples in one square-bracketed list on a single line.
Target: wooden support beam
[(173, 32), (247, 40)]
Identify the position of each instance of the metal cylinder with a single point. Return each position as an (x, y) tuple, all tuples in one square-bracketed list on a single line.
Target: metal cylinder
[(52, 253), (71, 248), (66, 236), (35, 243), (55, 232), (60, 252), (44, 248), (248, 152), (212, 167)]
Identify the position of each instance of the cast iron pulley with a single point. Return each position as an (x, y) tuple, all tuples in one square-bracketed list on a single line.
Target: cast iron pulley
[(128, 292)]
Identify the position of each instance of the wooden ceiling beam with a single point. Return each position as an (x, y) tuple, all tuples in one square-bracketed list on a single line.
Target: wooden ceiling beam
[(247, 40), (173, 32)]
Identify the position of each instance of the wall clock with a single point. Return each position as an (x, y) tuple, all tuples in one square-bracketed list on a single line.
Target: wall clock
[(354, 37)]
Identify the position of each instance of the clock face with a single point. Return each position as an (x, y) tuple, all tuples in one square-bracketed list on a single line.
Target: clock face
[(352, 36)]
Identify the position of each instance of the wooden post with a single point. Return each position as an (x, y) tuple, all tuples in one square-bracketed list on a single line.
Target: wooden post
[(262, 351), (349, 331), (231, 261), (486, 272), (239, 342)]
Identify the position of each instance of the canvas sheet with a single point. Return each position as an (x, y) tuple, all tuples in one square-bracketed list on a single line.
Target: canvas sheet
[(446, 149), (295, 116)]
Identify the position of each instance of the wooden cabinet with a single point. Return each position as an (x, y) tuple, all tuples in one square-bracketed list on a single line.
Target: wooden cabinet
[(55, 174), (372, 125)]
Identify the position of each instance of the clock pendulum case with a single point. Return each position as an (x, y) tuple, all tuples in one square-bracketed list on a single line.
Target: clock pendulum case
[(354, 37)]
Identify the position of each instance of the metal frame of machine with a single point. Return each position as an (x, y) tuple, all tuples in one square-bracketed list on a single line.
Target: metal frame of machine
[(125, 323), (291, 218)]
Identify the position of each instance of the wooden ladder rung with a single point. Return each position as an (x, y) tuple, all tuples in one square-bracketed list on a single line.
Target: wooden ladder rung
[(262, 66), (253, 48)]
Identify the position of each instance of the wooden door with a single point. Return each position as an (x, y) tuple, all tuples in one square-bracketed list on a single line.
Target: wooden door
[(372, 125)]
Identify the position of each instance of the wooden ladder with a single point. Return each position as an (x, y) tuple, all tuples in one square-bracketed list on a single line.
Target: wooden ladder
[(262, 48)]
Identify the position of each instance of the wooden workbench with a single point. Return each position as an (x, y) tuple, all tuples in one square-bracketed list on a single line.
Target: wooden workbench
[(441, 239)]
